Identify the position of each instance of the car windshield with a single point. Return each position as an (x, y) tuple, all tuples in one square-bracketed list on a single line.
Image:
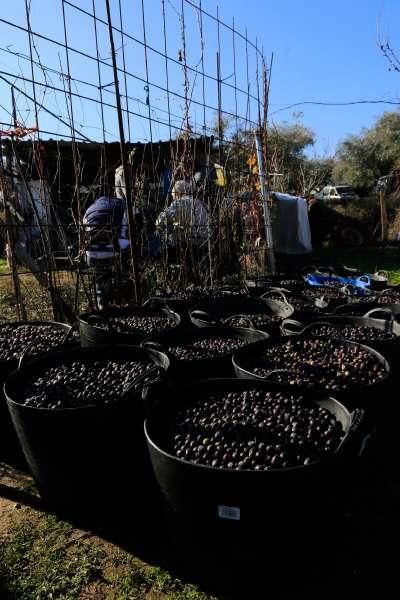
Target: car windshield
[(343, 189)]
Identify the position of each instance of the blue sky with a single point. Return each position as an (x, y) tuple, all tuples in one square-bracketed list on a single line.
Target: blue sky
[(324, 50)]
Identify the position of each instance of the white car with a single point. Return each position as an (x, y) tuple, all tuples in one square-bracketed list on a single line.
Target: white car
[(337, 193)]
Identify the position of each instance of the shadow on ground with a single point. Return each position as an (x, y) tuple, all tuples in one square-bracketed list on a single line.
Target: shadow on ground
[(347, 552)]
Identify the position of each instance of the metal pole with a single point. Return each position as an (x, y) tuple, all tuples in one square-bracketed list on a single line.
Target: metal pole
[(382, 199), (128, 190), (265, 197)]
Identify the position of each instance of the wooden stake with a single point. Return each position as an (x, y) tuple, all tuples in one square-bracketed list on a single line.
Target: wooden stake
[(384, 221), (133, 233)]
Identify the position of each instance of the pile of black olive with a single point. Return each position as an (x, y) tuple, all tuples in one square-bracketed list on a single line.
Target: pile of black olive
[(203, 293), (354, 333), (323, 362), (210, 347), (389, 298), (295, 285), (188, 295), (326, 291), (251, 320), (15, 338), (255, 429), (333, 283), (144, 323), (82, 383)]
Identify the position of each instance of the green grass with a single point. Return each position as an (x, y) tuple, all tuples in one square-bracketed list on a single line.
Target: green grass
[(38, 563), (3, 265), (367, 259), (43, 558)]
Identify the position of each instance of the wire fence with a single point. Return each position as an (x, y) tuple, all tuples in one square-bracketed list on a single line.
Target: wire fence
[(164, 90)]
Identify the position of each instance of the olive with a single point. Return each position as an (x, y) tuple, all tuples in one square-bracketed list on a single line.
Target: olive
[(255, 443), (83, 383), (204, 348), (315, 360), (15, 338), (144, 323)]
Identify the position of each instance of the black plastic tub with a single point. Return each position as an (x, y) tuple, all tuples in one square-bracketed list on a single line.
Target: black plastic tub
[(362, 309), (389, 348), (183, 302), (80, 457), (379, 280), (190, 370), (302, 306), (266, 507), (226, 312), (10, 450), (321, 296), (257, 287), (96, 328), (368, 397)]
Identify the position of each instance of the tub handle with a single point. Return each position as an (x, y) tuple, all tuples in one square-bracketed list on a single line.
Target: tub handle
[(276, 291), (371, 314), (23, 358), (357, 417), (101, 319), (153, 345), (154, 375), (382, 273), (202, 315), (154, 303), (386, 292), (291, 322), (163, 383), (274, 371), (69, 333)]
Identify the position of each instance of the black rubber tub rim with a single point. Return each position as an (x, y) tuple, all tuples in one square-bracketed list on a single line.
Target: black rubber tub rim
[(250, 375), (354, 420), (31, 365)]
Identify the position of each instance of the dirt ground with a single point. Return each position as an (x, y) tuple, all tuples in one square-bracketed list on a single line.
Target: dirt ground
[(44, 556), (52, 556)]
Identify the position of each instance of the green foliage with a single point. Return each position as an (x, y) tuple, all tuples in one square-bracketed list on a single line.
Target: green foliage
[(362, 159), (138, 581), (287, 144)]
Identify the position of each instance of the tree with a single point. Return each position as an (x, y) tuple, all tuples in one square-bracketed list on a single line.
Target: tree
[(290, 168), (362, 159), (287, 145)]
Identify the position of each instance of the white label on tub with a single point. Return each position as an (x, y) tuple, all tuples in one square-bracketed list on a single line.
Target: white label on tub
[(229, 512)]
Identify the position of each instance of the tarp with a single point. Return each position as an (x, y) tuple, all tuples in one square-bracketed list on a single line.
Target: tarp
[(291, 228)]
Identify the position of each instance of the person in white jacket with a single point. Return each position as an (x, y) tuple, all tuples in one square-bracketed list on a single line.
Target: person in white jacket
[(185, 219)]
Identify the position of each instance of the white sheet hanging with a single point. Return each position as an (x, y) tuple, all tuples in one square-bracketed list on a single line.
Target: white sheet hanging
[(291, 227)]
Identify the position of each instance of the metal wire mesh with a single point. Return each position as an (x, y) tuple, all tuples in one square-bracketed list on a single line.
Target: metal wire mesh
[(166, 86)]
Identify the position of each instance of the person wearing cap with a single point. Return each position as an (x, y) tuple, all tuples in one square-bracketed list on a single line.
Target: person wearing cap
[(185, 216), (183, 224)]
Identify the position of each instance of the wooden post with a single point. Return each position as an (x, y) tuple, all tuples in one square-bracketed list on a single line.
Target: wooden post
[(384, 221), (10, 237), (133, 233), (265, 199)]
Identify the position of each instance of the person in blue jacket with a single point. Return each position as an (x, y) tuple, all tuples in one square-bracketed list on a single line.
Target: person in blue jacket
[(107, 243)]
